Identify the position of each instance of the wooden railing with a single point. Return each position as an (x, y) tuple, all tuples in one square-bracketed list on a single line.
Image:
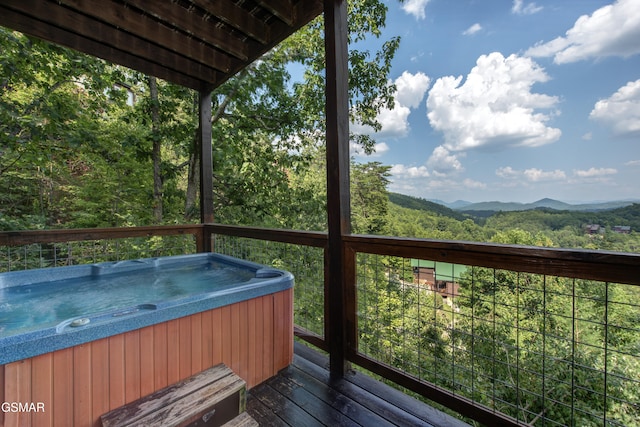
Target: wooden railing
[(601, 266), (604, 266), (17, 238), (597, 266)]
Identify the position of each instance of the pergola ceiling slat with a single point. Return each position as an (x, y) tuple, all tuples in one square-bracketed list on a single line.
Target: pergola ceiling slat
[(196, 43), (72, 21), (29, 25), (283, 9), (196, 26), (126, 19), (303, 12), (237, 18)]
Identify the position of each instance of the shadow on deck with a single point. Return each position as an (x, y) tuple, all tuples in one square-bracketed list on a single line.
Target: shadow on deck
[(303, 395)]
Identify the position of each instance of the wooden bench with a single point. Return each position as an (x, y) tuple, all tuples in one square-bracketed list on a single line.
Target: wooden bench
[(212, 398)]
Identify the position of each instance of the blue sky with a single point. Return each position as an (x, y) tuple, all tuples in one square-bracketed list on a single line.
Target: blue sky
[(513, 100)]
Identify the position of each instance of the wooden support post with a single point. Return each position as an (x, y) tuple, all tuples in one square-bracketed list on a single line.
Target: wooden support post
[(338, 199), (206, 163)]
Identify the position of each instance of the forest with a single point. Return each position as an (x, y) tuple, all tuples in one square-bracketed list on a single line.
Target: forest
[(85, 143), (551, 228)]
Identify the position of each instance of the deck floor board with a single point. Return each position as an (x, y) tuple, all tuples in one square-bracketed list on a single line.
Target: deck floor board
[(303, 395)]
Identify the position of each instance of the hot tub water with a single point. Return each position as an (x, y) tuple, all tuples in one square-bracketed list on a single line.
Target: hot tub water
[(129, 286)]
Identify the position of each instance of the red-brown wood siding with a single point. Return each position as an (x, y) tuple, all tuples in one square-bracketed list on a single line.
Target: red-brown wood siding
[(78, 384)]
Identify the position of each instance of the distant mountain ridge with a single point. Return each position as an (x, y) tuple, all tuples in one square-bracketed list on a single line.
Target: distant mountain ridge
[(425, 205), (458, 204), (546, 203)]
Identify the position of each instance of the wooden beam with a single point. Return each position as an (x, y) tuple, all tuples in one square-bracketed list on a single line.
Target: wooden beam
[(206, 160), (304, 11), (237, 17), (340, 262), (189, 22), (188, 46), (305, 238), (27, 237), (280, 8), (41, 29), (130, 20), (605, 266)]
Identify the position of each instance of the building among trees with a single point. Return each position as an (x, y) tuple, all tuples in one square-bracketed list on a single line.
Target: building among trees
[(441, 277)]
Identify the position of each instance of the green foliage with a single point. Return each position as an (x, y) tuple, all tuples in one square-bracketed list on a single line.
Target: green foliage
[(369, 197), (405, 222), (74, 154), (54, 138), (269, 129), (530, 346), (544, 344)]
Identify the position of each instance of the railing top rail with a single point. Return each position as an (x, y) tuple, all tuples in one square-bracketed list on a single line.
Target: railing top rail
[(16, 238), (606, 266), (306, 238)]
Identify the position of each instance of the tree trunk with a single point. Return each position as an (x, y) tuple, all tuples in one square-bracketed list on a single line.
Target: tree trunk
[(156, 155), (193, 182)]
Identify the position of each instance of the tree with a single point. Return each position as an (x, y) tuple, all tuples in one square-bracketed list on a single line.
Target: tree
[(267, 128), (369, 197), (156, 149), (51, 105)]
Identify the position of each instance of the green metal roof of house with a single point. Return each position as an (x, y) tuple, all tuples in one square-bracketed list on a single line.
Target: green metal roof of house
[(443, 270)]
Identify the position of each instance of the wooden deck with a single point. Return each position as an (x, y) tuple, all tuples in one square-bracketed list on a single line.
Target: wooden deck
[(303, 395)]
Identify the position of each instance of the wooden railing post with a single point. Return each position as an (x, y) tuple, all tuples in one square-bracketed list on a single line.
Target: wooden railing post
[(204, 239), (338, 200)]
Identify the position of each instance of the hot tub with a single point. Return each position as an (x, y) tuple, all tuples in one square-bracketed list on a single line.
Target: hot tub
[(79, 341)]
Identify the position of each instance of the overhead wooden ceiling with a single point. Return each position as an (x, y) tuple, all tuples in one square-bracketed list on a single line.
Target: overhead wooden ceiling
[(194, 43)]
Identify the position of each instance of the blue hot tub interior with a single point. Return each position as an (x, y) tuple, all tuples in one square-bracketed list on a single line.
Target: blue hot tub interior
[(47, 309)]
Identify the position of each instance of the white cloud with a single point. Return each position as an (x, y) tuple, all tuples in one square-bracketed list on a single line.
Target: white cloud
[(442, 162), (434, 186), (537, 175), (410, 91), (612, 30), (531, 175), (633, 163), (507, 172), (472, 30), (494, 108), (402, 171), (594, 172), (378, 149), (520, 8), (621, 111), (593, 175), (394, 122), (416, 57), (587, 136), (410, 88), (471, 184), (416, 8)]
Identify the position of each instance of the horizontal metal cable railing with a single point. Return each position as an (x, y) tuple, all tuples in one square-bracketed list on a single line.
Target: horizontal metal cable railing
[(304, 262), (56, 248), (503, 334), (545, 350)]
